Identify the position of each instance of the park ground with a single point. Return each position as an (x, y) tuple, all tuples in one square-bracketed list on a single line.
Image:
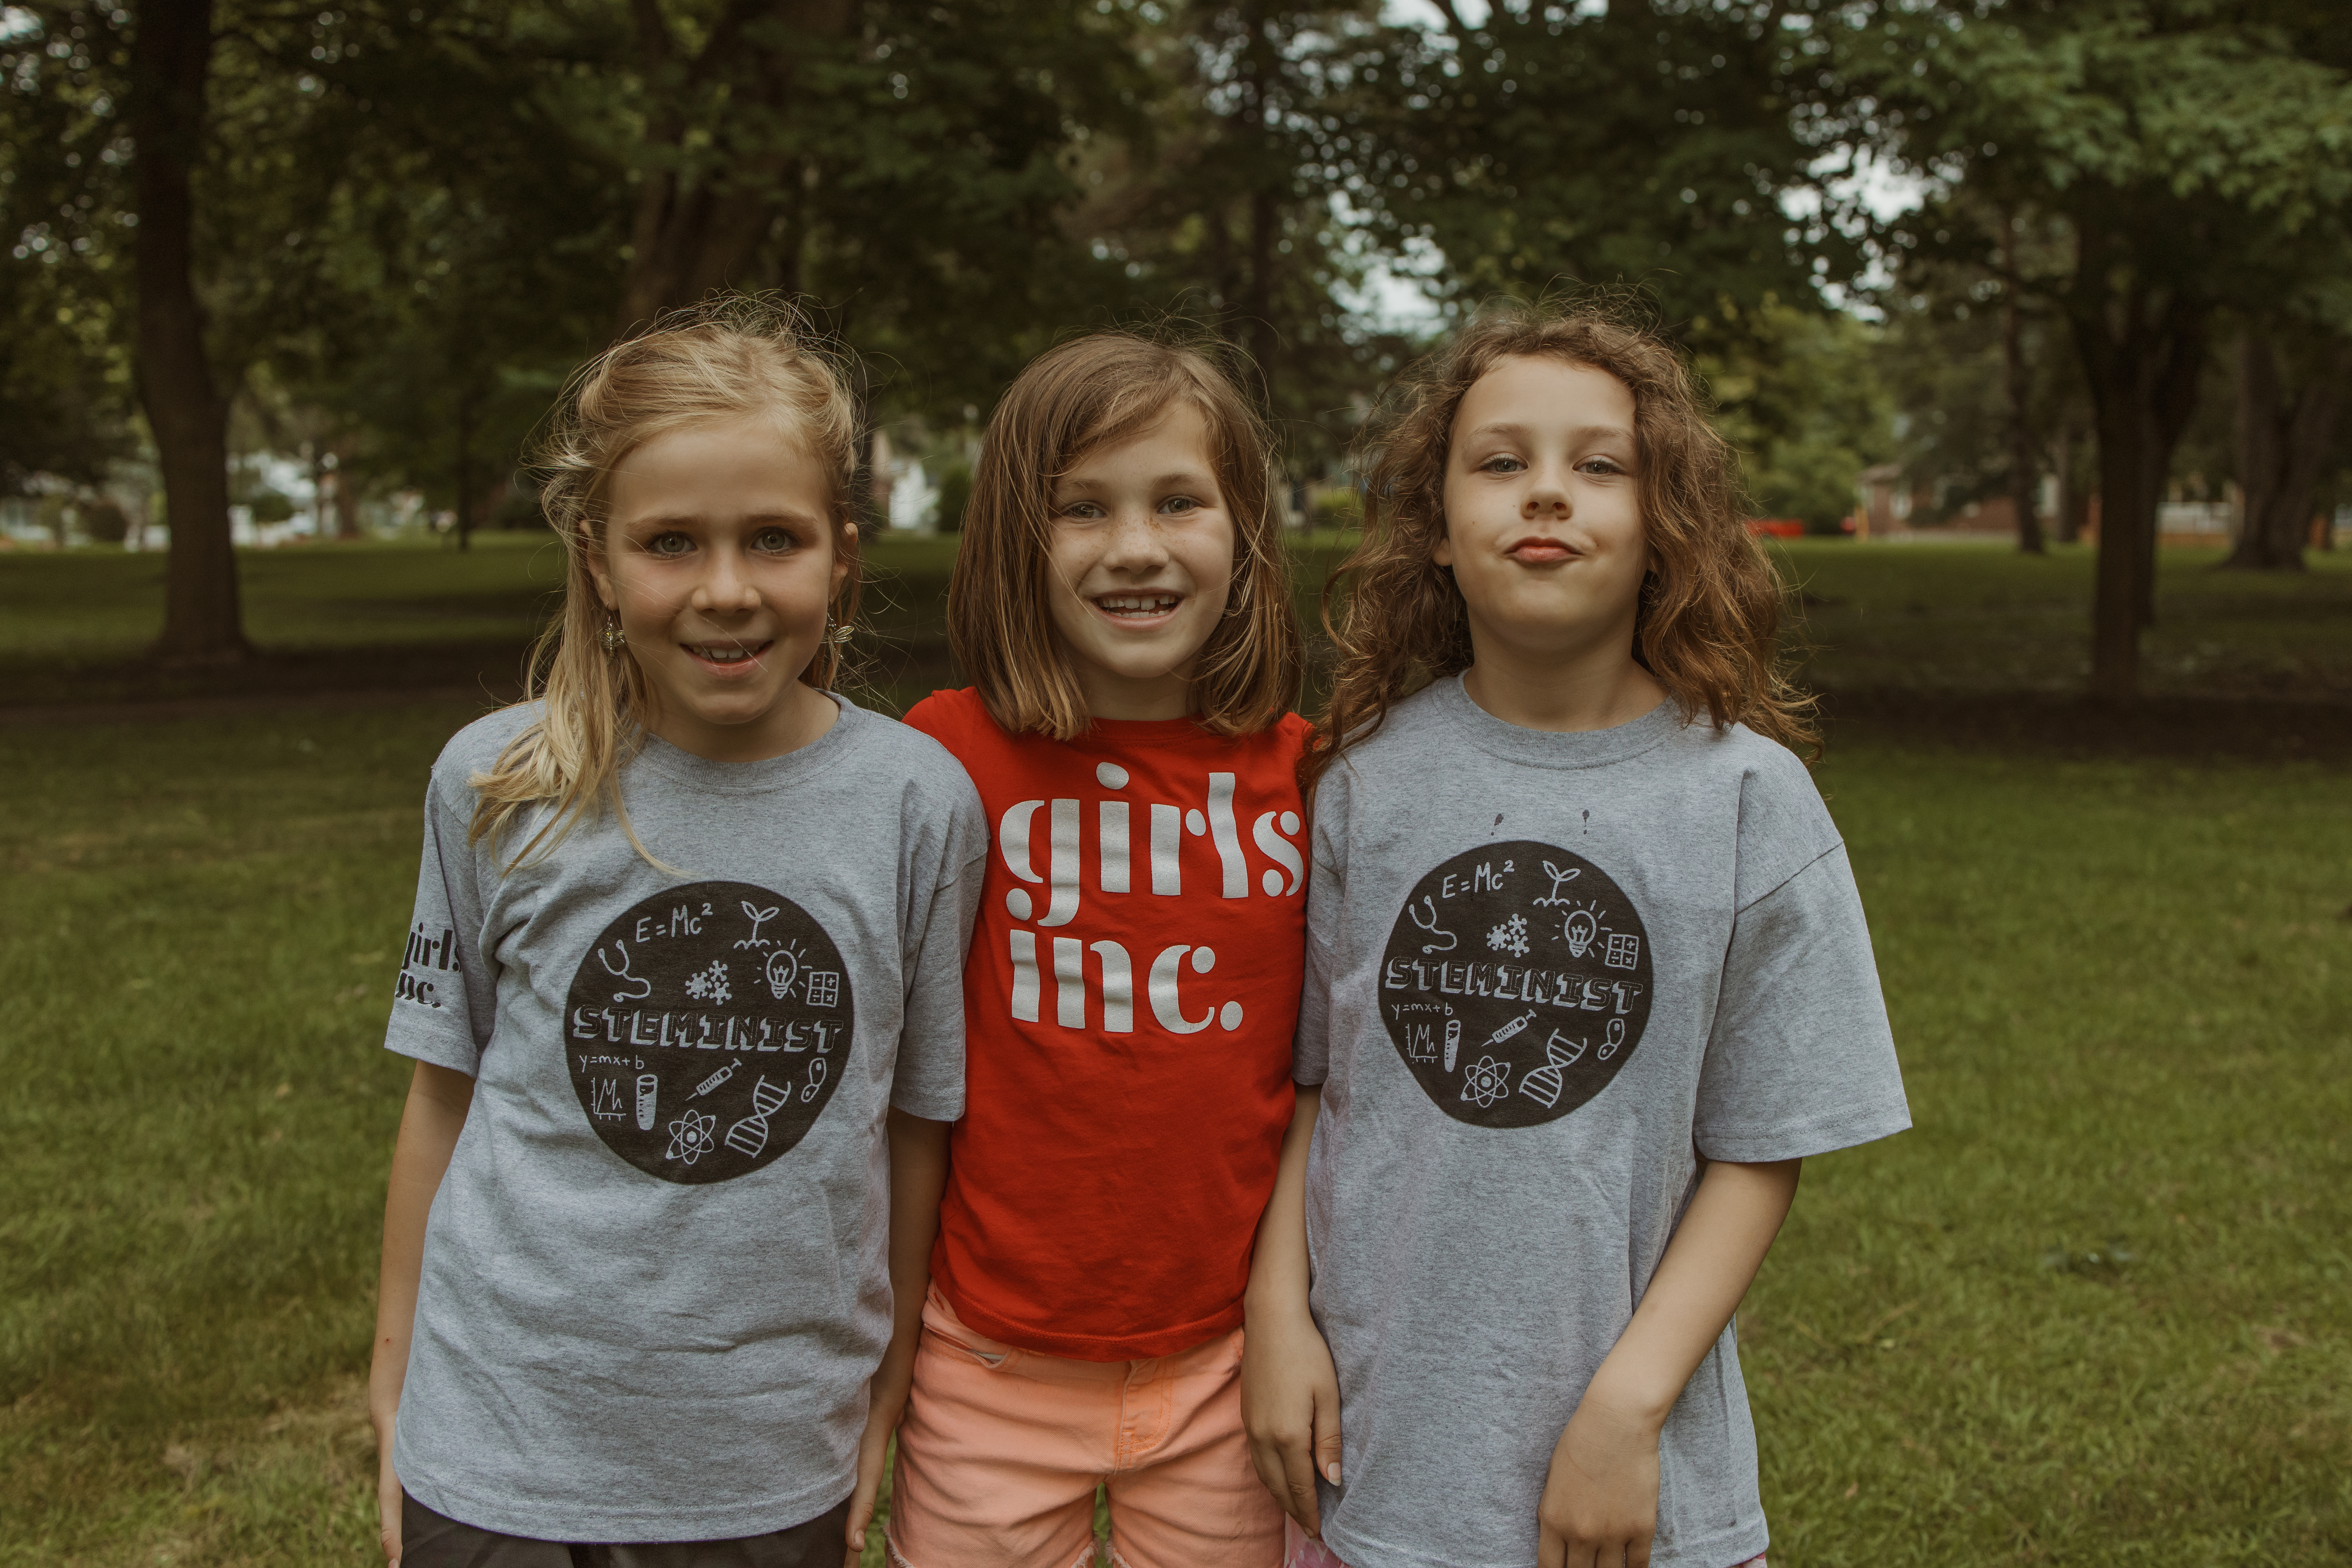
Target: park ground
[(2095, 1309)]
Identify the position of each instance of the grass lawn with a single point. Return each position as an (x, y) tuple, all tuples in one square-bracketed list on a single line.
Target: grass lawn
[(2094, 1310)]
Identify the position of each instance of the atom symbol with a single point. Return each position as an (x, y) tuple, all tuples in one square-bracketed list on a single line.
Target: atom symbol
[(691, 1137), (1486, 1081)]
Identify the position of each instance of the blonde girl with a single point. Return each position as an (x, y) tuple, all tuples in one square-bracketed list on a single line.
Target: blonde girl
[(683, 989), (1121, 607), (1586, 979)]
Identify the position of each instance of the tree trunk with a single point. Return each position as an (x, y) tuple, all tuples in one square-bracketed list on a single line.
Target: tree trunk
[(465, 470), (2283, 445), (694, 234), (2022, 474), (2063, 461), (2137, 357), (171, 58)]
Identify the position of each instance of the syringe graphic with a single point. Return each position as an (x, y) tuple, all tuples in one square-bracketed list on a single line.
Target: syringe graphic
[(1507, 1030)]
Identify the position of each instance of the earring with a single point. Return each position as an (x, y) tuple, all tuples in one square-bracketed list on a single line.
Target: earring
[(615, 639), (838, 636)]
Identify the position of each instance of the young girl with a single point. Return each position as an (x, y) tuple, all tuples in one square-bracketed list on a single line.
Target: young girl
[(1120, 605), (690, 931), (1588, 978)]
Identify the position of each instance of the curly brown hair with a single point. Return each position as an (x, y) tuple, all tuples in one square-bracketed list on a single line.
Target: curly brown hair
[(1708, 624)]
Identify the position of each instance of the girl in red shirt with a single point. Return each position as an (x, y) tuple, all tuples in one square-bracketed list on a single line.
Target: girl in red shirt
[(1121, 604)]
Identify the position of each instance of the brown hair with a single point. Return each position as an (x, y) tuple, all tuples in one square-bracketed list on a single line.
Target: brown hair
[(1072, 400), (1709, 621), (736, 358)]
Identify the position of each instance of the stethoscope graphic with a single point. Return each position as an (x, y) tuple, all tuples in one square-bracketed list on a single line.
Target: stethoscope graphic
[(1431, 926)]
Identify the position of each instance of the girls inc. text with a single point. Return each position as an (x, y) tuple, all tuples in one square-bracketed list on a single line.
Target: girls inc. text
[(1166, 828)]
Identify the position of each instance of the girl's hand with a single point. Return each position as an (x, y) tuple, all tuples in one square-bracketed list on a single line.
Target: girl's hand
[(888, 1403), (387, 1498), (1599, 1507), (1290, 1409)]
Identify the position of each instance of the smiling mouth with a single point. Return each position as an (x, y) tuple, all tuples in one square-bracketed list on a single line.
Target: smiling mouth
[(1137, 607), (726, 655)]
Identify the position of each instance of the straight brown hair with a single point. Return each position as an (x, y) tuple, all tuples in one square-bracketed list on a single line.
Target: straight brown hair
[(1072, 400), (1708, 622)]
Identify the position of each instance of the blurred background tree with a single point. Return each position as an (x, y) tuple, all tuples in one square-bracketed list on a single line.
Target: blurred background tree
[(2004, 251)]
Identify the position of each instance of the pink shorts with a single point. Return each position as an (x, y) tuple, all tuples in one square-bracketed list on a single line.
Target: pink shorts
[(1300, 1551), (1001, 1449)]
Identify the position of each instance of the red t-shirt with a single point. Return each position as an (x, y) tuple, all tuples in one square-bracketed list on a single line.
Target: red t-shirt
[(1128, 1007)]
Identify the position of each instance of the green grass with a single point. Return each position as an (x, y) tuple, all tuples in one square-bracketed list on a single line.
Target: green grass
[(1922, 617), (2094, 1310), (1962, 618)]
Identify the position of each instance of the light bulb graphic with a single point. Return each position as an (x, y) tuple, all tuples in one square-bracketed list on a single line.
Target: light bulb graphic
[(1581, 930), (784, 968)]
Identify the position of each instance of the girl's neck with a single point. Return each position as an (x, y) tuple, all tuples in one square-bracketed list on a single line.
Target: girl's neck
[(1598, 689), (1111, 695)]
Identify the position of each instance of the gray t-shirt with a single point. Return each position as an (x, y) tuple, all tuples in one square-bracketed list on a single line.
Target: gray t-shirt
[(654, 1283), (1547, 975)]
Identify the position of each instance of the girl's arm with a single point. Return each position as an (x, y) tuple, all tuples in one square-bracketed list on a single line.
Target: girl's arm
[(438, 1099), (1290, 1392), (918, 1174), (1600, 1500)]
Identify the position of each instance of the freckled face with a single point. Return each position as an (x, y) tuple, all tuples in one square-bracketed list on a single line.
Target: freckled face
[(720, 556), (1542, 513), (1142, 560)]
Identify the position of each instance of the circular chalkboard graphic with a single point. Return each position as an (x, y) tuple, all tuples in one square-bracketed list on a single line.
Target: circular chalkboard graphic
[(1515, 983), (707, 1030)]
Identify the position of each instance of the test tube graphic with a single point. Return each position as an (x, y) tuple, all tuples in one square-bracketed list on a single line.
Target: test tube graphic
[(647, 1084), (1453, 1041)]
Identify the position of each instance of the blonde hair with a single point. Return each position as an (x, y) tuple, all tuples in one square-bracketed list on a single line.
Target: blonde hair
[(1709, 619), (735, 358), (1087, 393)]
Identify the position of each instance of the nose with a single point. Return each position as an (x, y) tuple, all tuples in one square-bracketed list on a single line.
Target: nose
[(1135, 544), (726, 588), (1547, 495)]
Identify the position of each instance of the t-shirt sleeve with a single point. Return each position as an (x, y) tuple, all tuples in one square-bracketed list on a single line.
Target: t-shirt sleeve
[(445, 997), (1310, 1051), (929, 1079), (1801, 1061)]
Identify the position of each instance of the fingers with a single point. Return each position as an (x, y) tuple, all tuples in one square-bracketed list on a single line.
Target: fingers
[(1297, 1494), (1326, 1432)]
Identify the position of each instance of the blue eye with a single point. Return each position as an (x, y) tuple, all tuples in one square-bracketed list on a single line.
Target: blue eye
[(774, 540), (669, 544)]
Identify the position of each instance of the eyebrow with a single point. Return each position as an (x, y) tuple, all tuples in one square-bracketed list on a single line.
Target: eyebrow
[(1190, 480), (1511, 427), (683, 519)]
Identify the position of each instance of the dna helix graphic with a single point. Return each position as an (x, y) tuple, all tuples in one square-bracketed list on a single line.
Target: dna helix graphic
[(749, 1136), (1543, 1085)]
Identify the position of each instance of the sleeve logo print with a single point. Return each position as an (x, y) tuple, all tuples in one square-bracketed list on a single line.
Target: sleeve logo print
[(1539, 1008), (706, 1031)]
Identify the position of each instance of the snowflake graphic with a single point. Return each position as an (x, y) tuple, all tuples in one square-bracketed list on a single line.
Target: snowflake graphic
[(1510, 936), (1487, 1081), (711, 985), (691, 1136)]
